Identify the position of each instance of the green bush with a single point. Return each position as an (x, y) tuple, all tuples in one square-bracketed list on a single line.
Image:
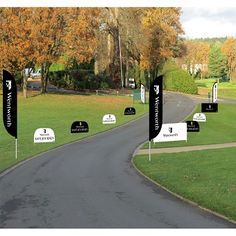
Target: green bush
[(176, 79), (104, 85), (79, 79), (179, 80)]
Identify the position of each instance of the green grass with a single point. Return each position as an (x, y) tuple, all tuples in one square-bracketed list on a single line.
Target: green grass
[(205, 177), (57, 67), (225, 89), (219, 128), (58, 112)]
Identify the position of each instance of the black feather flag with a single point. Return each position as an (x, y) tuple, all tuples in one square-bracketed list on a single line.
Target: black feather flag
[(155, 107), (10, 105)]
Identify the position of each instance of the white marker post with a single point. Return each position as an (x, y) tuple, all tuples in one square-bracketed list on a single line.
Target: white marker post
[(16, 149), (214, 92)]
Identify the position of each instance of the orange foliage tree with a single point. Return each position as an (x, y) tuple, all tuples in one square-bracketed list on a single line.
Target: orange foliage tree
[(16, 42), (229, 50), (80, 39), (196, 57), (161, 28), (41, 36)]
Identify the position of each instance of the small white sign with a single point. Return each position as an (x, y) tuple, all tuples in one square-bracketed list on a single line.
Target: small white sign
[(109, 119), (199, 117), (142, 93), (214, 92), (44, 135), (172, 132)]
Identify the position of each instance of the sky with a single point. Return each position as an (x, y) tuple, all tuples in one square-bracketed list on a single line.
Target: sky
[(216, 19), (210, 22)]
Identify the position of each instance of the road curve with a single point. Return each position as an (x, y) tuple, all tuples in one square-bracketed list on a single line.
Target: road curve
[(92, 184)]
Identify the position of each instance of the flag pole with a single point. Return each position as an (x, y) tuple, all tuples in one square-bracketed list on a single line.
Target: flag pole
[(16, 149), (149, 156)]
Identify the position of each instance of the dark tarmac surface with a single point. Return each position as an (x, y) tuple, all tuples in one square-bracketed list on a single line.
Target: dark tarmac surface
[(92, 184)]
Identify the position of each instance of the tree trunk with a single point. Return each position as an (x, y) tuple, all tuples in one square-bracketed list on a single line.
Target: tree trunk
[(127, 60), (44, 76), (127, 71), (24, 77), (25, 86), (229, 75), (120, 55), (115, 64)]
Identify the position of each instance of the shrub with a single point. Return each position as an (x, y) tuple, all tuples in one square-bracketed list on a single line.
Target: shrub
[(176, 79), (104, 85), (79, 79)]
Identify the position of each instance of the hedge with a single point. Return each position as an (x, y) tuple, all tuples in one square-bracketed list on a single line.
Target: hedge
[(179, 80), (79, 79)]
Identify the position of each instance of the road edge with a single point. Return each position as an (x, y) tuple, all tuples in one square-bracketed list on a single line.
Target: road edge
[(24, 161), (181, 197), (173, 193)]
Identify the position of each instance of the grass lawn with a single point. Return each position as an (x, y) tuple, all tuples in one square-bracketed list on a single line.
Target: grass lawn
[(57, 67), (205, 177), (58, 112), (219, 128), (225, 89)]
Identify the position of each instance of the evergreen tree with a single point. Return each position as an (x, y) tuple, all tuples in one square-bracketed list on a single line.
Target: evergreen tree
[(217, 63)]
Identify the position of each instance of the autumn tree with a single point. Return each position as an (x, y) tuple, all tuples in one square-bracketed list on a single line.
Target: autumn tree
[(146, 38), (131, 37), (80, 41), (119, 35), (42, 36), (228, 49), (123, 38), (16, 41), (64, 34), (161, 28), (110, 25), (196, 57), (49, 29)]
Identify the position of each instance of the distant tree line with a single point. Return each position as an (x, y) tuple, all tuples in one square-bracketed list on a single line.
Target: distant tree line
[(209, 58)]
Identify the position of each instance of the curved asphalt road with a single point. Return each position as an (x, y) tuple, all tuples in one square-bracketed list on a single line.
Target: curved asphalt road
[(91, 183)]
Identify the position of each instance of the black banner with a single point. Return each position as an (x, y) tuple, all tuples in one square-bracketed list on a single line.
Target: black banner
[(155, 107), (129, 111), (209, 107), (9, 103), (192, 126), (79, 127)]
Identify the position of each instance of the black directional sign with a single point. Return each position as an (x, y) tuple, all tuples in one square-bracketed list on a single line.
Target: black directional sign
[(192, 126), (79, 127), (209, 107), (129, 111), (155, 107), (9, 103)]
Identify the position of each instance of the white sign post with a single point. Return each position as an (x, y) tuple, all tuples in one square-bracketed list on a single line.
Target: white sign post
[(214, 92), (143, 97), (172, 132), (44, 135), (199, 117), (109, 119)]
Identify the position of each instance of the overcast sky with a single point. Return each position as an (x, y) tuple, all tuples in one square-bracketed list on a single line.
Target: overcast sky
[(209, 22)]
